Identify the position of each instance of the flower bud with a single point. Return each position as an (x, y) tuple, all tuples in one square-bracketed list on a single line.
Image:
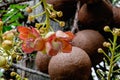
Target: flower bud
[(42, 30), (50, 5), (13, 55), (53, 15), (3, 61), (29, 9), (13, 74), (100, 50), (8, 35), (31, 18), (7, 44), (18, 58), (62, 23), (59, 13), (107, 29), (116, 32), (17, 76), (106, 44)]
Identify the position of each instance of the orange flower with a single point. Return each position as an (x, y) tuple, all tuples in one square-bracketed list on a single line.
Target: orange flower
[(29, 37), (39, 44), (59, 41), (27, 33), (28, 46), (52, 44)]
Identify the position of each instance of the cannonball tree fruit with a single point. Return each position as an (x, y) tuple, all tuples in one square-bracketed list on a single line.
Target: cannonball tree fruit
[(90, 41), (42, 61), (75, 65), (89, 1), (68, 7), (95, 16), (116, 17), (115, 23)]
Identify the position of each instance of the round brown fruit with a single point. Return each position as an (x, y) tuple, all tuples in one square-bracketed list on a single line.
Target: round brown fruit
[(115, 22), (90, 41), (42, 61), (116, 17), (68, 7), (95, 16), (70, 66), (88, 1)]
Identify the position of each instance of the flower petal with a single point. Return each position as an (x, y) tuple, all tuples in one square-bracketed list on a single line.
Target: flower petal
[(50, 50), (23, 29), (53, 52), (39, 44), (61, 34), (66, 47), (28, 46), (56, 45), (23, 36), (27, 49), (35, 32), (50, 38), (68, 36), (71, 36)]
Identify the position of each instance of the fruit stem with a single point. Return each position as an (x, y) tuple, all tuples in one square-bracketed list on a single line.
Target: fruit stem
[(39, 14), (47, 21), (106, 55), (116, 70), (33, 7), (112, 57)]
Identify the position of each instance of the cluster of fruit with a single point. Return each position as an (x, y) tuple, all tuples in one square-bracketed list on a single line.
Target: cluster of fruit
[(93, 16), (76, 64)]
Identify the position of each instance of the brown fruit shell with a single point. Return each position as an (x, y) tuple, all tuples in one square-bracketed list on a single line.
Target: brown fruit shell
[(95, 16), (70, 66), (88, 1), (90, 41), (42, 61), (116, 17)]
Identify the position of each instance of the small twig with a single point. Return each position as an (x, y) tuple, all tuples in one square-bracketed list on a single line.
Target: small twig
[(75, 26), (95, 69), (23, 64), (30, 70)]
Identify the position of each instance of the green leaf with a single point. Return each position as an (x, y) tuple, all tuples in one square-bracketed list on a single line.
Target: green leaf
[(2, 11), (18, 6), (15, 24), (20, 15), (7, 28)]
